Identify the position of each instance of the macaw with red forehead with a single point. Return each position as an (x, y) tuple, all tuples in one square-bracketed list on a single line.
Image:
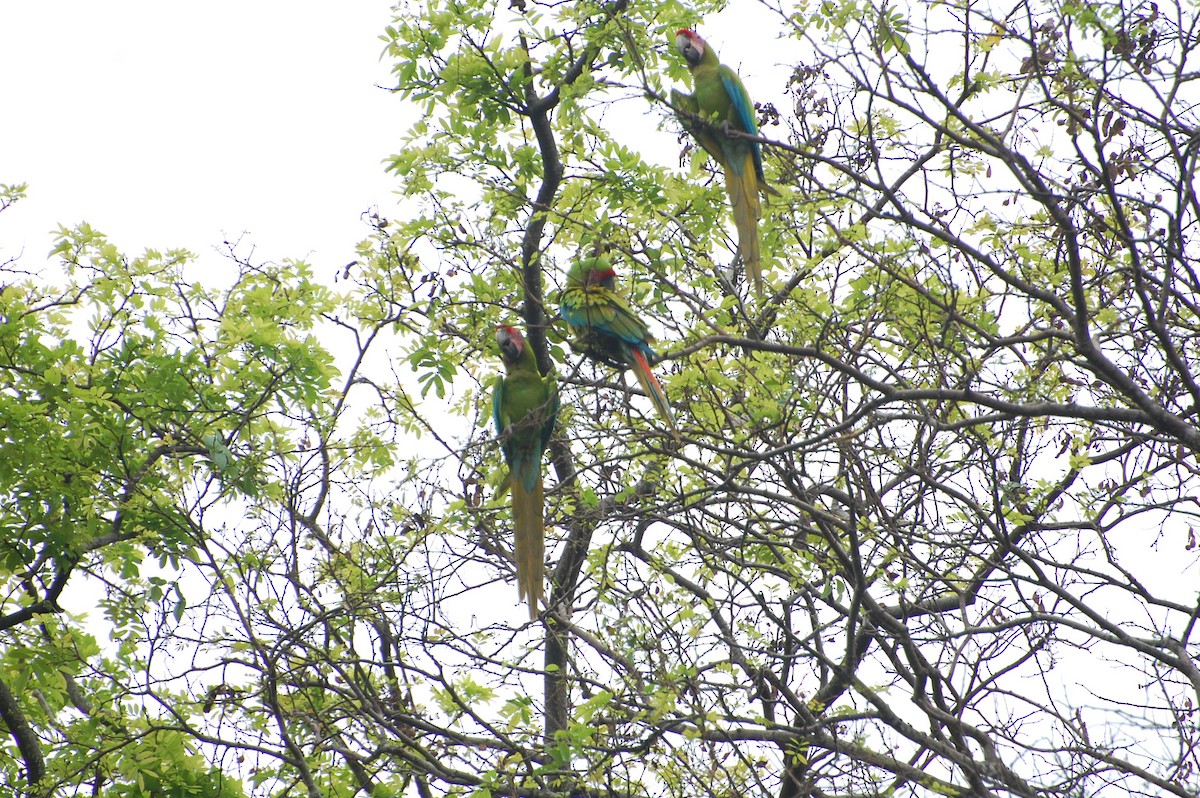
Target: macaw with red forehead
[(606, 328), (524, 408), (722, 101)]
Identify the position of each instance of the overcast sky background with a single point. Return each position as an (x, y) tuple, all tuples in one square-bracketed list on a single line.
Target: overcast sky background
[(183, 124), (168, 124)]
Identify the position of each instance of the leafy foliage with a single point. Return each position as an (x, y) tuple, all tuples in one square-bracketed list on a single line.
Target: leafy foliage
[(927, 530)]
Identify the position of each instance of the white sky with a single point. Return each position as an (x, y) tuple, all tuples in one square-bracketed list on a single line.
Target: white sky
[(170, 124), (167, 124)]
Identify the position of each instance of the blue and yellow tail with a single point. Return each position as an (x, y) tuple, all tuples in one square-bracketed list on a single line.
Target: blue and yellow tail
[(529, 543), (747, 210)]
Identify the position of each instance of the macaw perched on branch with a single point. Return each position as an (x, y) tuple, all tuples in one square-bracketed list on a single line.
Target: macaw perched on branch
[(722, 101), (524, 408), (606, 328)]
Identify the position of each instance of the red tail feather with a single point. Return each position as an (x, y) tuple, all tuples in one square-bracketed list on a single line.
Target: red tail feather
[(652, 388)]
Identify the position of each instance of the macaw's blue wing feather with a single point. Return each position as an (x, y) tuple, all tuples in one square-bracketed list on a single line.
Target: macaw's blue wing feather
[(552, 406), (743, 118), (605, 310), (498, 406), (739, 100)]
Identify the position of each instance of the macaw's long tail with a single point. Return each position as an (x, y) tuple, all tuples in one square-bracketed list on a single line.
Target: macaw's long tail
[(651, 386), (530, 542), (747, 210)]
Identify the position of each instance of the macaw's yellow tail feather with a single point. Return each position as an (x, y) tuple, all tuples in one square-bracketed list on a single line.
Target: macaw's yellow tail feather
[(530, 542), (653, 389), (747, 210)]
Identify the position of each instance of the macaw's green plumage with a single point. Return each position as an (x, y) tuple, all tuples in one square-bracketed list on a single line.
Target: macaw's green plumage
[(722, 101), (606, 328), (525, 407), (703, 134)]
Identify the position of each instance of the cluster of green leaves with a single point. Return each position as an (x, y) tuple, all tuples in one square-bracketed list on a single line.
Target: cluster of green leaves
[(133, 399), (911, 481)]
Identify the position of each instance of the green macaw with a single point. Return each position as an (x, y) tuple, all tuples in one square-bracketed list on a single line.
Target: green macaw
[(606, 328), (524, 408), (722, 101)]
